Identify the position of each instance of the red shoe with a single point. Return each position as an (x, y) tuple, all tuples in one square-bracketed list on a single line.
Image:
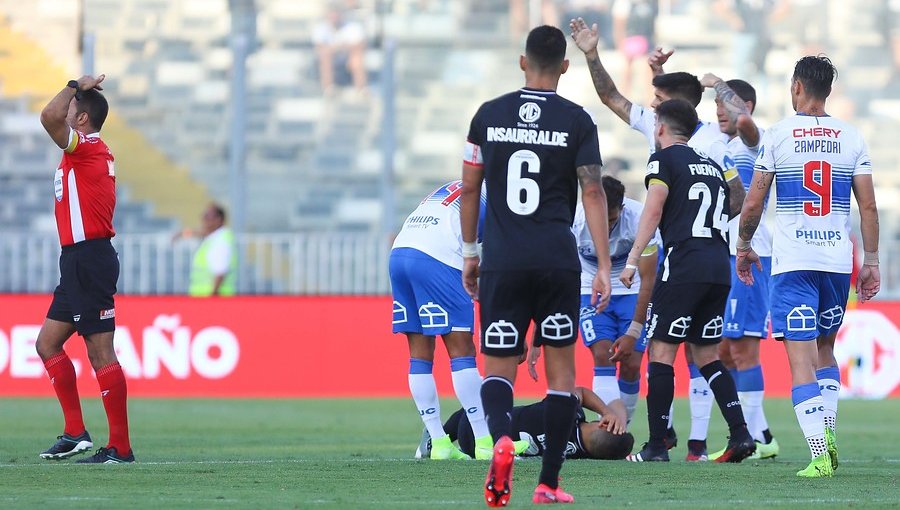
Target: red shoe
[(498, 484), (546, 495)]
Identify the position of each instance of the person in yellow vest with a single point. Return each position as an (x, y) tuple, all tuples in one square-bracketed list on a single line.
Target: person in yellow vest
[(214, 266)]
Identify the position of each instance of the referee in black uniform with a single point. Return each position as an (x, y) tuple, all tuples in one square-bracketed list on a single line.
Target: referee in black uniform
[(532, 147)]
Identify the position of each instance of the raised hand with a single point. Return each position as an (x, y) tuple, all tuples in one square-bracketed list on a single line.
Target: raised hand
[(87, 82), (585, 38), (709, 80), (658, 59)]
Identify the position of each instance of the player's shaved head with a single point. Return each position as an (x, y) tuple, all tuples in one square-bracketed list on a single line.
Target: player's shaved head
[(545, 48), (679, 115), (744, 91), (94, 104), (816, 73), (680, 85)]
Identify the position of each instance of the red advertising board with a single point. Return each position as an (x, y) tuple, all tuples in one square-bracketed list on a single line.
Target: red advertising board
[(337, 347)]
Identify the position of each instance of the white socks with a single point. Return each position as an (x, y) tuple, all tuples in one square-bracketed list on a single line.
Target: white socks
[(467, 385), (424, 393)]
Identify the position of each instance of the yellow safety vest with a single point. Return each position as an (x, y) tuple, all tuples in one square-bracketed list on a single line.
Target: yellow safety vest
[(202, 278)]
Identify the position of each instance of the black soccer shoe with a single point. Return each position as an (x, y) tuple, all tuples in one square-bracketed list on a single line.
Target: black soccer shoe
[(671, 438), (740, 446), (649, 454), (108, 456), (67, 446)]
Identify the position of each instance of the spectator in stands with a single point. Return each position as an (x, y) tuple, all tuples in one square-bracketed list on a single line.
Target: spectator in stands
[(633, 31), (750, 19), (214, 266), (340, 41)]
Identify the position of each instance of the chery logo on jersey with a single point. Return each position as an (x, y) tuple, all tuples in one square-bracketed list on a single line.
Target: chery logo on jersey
[(529, 112)]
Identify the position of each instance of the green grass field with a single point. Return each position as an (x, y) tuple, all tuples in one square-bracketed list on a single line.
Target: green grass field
[(357, 454)]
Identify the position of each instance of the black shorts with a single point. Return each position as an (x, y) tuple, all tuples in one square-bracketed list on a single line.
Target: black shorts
[(511, 300), (88, 272), (687, 312)]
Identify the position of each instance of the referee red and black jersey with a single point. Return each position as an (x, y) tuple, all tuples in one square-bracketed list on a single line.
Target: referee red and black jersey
[(85, 189), (530, 143)]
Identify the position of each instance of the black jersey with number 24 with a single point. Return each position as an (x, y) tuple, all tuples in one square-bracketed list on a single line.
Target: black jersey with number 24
[(694, 222), (531, 142)]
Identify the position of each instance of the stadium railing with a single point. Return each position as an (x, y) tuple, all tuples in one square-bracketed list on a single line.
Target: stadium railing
[(309, 263), (273, 264)]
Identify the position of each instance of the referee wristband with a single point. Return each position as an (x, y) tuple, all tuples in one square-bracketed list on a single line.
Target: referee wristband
[(635, 329), (469, 249), (870, 258)]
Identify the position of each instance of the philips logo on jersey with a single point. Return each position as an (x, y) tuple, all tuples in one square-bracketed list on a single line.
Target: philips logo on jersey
[(528, 136), (818, 237), (421, 221)]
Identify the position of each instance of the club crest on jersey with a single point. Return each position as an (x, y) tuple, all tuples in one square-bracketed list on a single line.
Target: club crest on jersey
[(529, 112)]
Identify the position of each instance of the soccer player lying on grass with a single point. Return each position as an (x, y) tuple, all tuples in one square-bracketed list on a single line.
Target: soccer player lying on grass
[(604, 439)]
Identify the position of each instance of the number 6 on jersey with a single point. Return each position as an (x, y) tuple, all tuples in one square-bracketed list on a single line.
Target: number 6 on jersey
[(523, 194)]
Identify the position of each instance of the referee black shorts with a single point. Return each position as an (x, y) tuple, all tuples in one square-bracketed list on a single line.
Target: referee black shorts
[(511, 300), (687, 312), (88, 272)]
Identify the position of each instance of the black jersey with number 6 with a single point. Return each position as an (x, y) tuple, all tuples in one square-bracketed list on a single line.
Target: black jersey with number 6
[(694, 220), (531, 142)]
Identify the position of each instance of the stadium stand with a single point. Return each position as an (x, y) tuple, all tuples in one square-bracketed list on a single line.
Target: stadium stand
[(314, 161)]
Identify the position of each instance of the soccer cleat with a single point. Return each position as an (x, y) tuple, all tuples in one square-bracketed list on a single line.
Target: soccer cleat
[(648, 454), (524, 446), (108, 456), (818, 468), (484, 448), (545, 495), (67, 446), (763, 451), (739, 448), (769, 450), (696, 451), (423, 451), (498, 484), (671, 438), (831, 442), (443, 449)]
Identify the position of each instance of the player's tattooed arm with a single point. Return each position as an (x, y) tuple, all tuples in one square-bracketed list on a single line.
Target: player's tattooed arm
[(736, 195), (586, 38), (735, 107), (606, 88), (751, 212), (595, 208)]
